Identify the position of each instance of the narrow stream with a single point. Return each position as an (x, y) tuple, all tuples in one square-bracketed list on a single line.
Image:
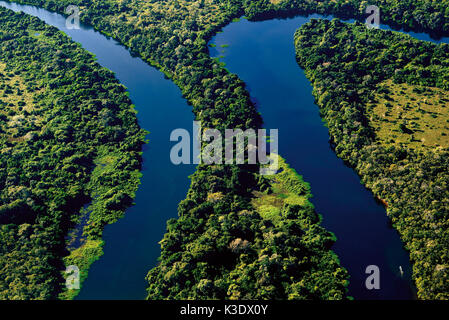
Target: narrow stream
[(262, 54)]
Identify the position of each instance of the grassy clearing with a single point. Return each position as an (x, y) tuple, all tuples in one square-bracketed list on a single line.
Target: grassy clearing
[(16, 106), (414, 116), (287, 188)]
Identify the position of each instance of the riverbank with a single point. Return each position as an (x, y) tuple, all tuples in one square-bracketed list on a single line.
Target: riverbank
[(52, 151), (410, 176)]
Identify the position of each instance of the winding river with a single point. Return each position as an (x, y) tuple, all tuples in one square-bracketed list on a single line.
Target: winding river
[(262, 54)]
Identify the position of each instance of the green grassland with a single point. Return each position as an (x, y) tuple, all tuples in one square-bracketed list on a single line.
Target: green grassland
[(287, 188), (416, 117)]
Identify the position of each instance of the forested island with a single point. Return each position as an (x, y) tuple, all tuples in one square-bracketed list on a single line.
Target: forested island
[(384, 96), (69, 138), (229, 200), (237, 243)]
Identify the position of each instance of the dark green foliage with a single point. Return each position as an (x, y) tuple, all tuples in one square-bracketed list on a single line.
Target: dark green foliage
[(223, 249)]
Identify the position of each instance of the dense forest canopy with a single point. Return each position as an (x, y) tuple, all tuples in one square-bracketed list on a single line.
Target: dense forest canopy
[(362, 77), (173, 35), (68, 136)]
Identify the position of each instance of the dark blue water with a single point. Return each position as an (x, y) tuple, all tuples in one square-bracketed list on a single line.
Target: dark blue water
[(131, 245), (262, 54)]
